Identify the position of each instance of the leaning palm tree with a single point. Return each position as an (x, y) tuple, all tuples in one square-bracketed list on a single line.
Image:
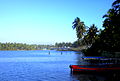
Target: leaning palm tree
[(80, 28)]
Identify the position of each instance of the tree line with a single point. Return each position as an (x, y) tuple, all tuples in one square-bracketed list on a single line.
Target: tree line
[(63, 44), (103, 40), (21, 46), (24, 46)]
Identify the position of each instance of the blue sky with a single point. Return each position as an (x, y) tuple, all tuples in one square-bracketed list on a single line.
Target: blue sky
[(47, 21)]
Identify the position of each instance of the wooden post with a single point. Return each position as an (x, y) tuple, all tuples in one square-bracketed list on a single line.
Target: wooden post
[(49, 52), (70, 69)]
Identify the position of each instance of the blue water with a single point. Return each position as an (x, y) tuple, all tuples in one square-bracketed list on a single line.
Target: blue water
[(36, 65), (41, 66)]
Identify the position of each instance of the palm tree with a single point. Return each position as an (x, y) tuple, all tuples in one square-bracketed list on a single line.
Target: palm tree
[(91, 35), (112, 16), (111, 33), (116, 3), (80, 28)]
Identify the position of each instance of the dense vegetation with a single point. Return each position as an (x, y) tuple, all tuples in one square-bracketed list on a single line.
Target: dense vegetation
[(63, 45), (102, 41), (67, 44), (21, 46)]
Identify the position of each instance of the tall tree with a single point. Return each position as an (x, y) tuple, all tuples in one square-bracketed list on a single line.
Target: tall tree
[(109, 38), (80, 28), (91, 35), (111, 33)]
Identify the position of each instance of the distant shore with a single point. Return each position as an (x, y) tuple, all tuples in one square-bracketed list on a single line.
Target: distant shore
[(73, 49)]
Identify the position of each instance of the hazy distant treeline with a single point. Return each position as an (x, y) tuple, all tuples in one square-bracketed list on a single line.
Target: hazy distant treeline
[(21, 46)]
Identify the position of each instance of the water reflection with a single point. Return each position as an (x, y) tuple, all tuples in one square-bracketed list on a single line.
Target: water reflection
[(86, 77), (97, 77)]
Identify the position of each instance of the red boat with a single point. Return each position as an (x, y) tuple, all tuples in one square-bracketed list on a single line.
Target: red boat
[(95, 68)]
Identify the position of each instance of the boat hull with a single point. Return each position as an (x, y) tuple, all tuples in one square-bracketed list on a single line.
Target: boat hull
[(95, 68)]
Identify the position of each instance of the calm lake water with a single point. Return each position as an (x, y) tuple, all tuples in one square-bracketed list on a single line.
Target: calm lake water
[(43, 66)]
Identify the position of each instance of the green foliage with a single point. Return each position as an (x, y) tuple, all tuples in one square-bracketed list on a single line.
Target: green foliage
[(111, 33), (76, 44), (80, 28), (63, 44), (91, 35), (20, 46), (86, 35), (109, 38)]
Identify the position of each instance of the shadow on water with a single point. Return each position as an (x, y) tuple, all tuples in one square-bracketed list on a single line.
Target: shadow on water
[(96, 77)]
